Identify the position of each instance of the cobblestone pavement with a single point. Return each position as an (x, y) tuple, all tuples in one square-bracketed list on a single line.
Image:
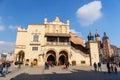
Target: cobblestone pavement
[(58, 73)]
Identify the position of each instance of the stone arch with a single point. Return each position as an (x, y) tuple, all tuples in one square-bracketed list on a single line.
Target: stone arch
[(21, 56), (63, 50), (51, 49), (51, 56), (63, 57)]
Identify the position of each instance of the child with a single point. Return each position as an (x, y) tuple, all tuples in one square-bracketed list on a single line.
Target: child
[(111, 67), (115, 69)]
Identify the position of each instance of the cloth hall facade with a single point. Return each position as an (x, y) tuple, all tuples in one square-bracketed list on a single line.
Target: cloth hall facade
[(52, 41)]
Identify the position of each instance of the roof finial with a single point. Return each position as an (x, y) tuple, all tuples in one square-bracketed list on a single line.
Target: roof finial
[(45, 20), (104, 33), (96, 34), (57, 19), (68, 21)]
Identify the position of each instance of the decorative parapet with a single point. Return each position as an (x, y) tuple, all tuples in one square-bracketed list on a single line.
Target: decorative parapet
[(56, 21), (20, 29)]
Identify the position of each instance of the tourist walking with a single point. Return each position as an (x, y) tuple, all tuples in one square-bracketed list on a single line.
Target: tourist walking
[(64, 66), (31, 64), (115, 69), (1, 69), (46, 66), (16, 64), (111, 68), (7, 67), (99, 66), (67, 65), (19, 65), (108, 67), (95, 66)]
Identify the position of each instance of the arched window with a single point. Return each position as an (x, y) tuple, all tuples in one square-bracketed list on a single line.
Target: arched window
[(35, 38)]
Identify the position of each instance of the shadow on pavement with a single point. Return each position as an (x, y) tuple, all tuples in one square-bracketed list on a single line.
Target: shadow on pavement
[(73, 75)]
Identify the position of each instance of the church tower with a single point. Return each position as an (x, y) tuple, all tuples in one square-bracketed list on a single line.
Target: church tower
[(106, 46), (93, 49), (97, 38)]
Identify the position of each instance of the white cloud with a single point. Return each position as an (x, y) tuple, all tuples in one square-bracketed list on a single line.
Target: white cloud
[(13, 27), (6, 46), (2, 27), (76, 32), (89, 13)]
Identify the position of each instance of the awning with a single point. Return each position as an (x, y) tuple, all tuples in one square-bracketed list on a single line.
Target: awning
[(57, 35)]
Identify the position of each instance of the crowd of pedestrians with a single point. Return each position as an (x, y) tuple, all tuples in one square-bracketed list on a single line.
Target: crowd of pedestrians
[(49, 63), (110, 67), (4, 68), (52, 64)]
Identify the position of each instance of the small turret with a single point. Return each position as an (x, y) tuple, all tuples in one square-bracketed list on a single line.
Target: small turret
[(90, 37), (68, 22), (105, 36), (45, 20), (93, 49), (97, 36)]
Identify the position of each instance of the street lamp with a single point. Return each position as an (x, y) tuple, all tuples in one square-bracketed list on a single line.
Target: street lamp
[(42, 55)]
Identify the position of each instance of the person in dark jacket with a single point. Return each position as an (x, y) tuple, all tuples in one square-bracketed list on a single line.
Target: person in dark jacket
[(1, 69), (115, 69), (7, 67), (108, 67), (95, 66), (99, 66)]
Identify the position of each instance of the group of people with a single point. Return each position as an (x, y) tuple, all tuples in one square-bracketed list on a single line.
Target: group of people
[(4, 68), (51, 63), (111, 67), (97, 66)]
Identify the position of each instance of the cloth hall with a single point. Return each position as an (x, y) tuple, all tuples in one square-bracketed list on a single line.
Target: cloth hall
[(53, 41)]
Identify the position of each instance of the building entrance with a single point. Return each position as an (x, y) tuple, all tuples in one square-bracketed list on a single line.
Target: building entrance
[(21, 56), (61, 60), (51, 58)]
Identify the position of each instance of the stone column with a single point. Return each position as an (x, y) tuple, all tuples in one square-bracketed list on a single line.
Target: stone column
[(57, 59)]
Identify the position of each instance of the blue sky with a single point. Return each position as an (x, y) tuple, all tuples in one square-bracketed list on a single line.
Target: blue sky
[(84, 15)]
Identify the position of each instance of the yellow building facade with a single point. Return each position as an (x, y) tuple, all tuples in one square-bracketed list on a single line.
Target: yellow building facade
[(40, 43)]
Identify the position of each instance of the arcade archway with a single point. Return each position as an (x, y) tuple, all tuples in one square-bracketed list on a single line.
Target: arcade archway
[(21, 56), (63, 57), (61, 60), (51, 56)]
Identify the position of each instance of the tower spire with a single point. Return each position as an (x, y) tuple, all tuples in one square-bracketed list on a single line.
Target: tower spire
[(96, 34)]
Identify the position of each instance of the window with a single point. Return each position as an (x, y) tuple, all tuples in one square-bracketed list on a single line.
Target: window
[(35, 38), (34, 48), (82, 62)]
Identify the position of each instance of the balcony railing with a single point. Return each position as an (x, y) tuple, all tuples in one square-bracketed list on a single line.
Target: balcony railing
[(58, 43)]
